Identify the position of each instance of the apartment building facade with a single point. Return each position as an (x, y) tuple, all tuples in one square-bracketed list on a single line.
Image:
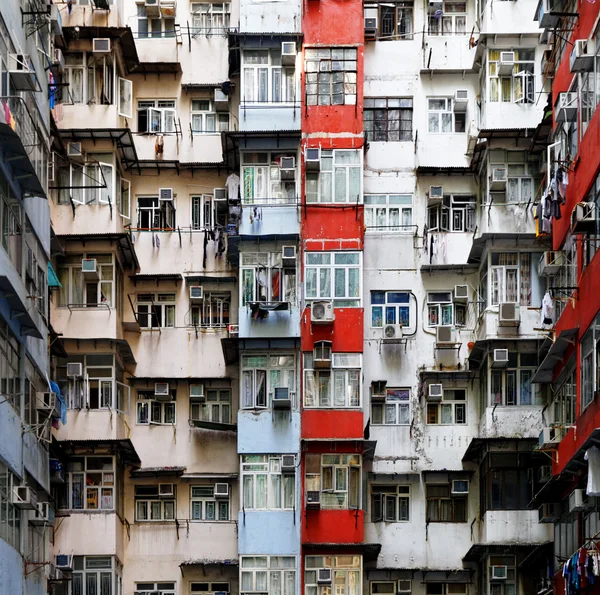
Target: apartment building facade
[(305, 325)]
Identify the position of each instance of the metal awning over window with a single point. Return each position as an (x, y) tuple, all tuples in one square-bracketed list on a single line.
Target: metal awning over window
[(545, 373)]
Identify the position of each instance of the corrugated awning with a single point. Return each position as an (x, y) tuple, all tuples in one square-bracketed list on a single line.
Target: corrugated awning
[(156, 277), (545, 373), (212, 425), (200, 278), (479, 551), (124, 448), (370, 551), (157, 472)]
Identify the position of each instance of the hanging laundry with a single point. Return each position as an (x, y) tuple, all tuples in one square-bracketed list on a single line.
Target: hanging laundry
[(204, 251), (157, 241), (592, 456), (233, 186), (425, 230), (547, 309)]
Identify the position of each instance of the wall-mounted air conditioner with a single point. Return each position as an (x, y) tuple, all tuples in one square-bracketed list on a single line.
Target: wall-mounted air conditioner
[(58, 58), (549, 439), (566, 107), (461, 100), (288, 53), (24, 497), (461, 293), (168, 9), (498, 179), (312, 159), (75, 152), (221, 101), (378, 390), (287, 169), (500, 358), (161, 391), (583, 218), (313, 499), (509, 314), (152, 8), (550, 263), (445, 336), (74, 370), (46, 401), (44, 515), (166, 490), (499, 573), (436, 194), (506, 63), (165, 194), (371, 22), (89, 269), (578, 501), (220, 193), (101, 45), (435, 392), (324, 576), (460, 487), (392, 332), (197, 392), (322, 312), (196, 292), (64, 561), (288, 464), (288, 256), (282, 398), (549, 512), (221, 490), (582, 56), (22, 72)]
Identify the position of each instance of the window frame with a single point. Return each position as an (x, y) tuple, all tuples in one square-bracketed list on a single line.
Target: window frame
[(438, 308), (146, 400), (322, 280), (277, 76), (454, 512), (275, 484), (68, 273), (153, 304), (452, 405), (156, 28), (261, 178), (221, 405), (272, 364), (393, 34), (220, 515), (520, 70), (150, 501), (457, 120), (451, 17), (373, 206), (202, 212), (214, 312), (342, 567), (78, 480), (337, 492), (159, 112), (315, 64), (81, 575), (401, 310), (158, 211), (387, 105), (202, 21), (350, 375), (322, 186), (255, 267), (398, 494), (220, 119), (396, 400)]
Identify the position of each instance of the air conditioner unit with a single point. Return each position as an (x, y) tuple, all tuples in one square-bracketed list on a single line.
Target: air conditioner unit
[(460, 487), (582, 56), (64, 561), (75, 370), (221, 101), (392, 331), (152, 8), (578, 501), (436, 194), (168, 9), (548, 64), (287, 171), (44, 515), (312, 159), (196, 292), (506, 63), (434, 5), (197, 392), (47, 402), (166, 490), (550, 263), (324, 576), (288, 53), (288, 255), (161, 390), (313, 499), (281, 398), (544, 473), (371, 22), (549, 439), (509, 314), (233, 330), (165, 194), (499, 573), (583, 218), (101, 45), (221, 490), (545, 17), (498, 179), (89, 269), (24, 497), (435, 392), (220, 193), (566, 107), (22, 72), (322, 313), (500, 358), (58, 58), (378, 390), (288, 464), (461, 293), (549, 513), (445, 335), (75, 152), (322, 355), (461, 100), (55, 21)]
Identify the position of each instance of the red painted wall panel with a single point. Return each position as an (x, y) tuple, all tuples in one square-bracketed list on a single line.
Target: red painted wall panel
[(333, 526), (331, 21), (346, 332), (332, 423), (332, 223)]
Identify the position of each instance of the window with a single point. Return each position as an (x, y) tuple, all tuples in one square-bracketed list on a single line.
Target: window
[(206, 120), (338, 388), (152, 28), (208, 18), (156, 310), (10, 367), (452, 410), (519, 173), (452, 21), (337, 478), (95, 575), (443, 506), (155, 214), (511, 277), (214, 311), (519, 86), (10, 515), (264, 80), (265, 279), (156, 116), (89, 77), (442, 118), (216, 409), (262, 374), (154, 589), (388, 120), (394, 411), (153, 505), (203, 212), (339, 179), (565, 397), (506, 481), (455, 213), (89, 184), (275, 575), (331, 76), (590, 363), (209, 589), (388, 212), (506, 586), (390, 503), (441, 311), (396, 20), (446, 589), (403, 587), (512, 385), (90, 484), (345, 570), (261, 179), (151, 411), (80, 290), (390, 307), (333, 275), (264, 486), (205, 507)]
